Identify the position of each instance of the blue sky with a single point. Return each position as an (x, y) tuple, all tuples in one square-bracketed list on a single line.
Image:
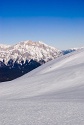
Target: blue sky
[(59, 23)]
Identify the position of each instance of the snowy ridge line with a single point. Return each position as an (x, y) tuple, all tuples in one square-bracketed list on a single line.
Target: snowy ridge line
[(28, 50)]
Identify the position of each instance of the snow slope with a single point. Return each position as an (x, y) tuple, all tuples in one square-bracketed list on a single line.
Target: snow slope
[(52, 94)]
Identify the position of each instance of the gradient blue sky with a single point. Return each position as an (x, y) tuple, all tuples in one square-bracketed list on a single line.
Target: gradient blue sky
[(59, 23)]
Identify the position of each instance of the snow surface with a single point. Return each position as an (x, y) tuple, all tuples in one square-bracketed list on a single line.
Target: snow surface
[(52, 94)]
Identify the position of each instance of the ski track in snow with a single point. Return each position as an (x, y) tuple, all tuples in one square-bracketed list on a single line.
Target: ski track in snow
[(52, 94)]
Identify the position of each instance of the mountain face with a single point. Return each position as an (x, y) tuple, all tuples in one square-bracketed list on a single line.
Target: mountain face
[(23, 57), (28, 50)]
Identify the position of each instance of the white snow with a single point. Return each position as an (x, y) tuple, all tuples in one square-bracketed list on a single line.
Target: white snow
[(2, 46), (28, 50), (52, 94)]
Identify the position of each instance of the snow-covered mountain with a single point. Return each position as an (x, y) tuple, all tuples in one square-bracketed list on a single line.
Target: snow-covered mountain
[(52, 94), (71, 50), (28, 50), (3, 46), (16, 60)]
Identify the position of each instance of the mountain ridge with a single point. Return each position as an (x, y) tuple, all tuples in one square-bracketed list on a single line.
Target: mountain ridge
[(19, 59), (28, 50)]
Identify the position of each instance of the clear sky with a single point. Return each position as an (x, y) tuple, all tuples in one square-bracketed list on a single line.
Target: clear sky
[(59, 23)]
